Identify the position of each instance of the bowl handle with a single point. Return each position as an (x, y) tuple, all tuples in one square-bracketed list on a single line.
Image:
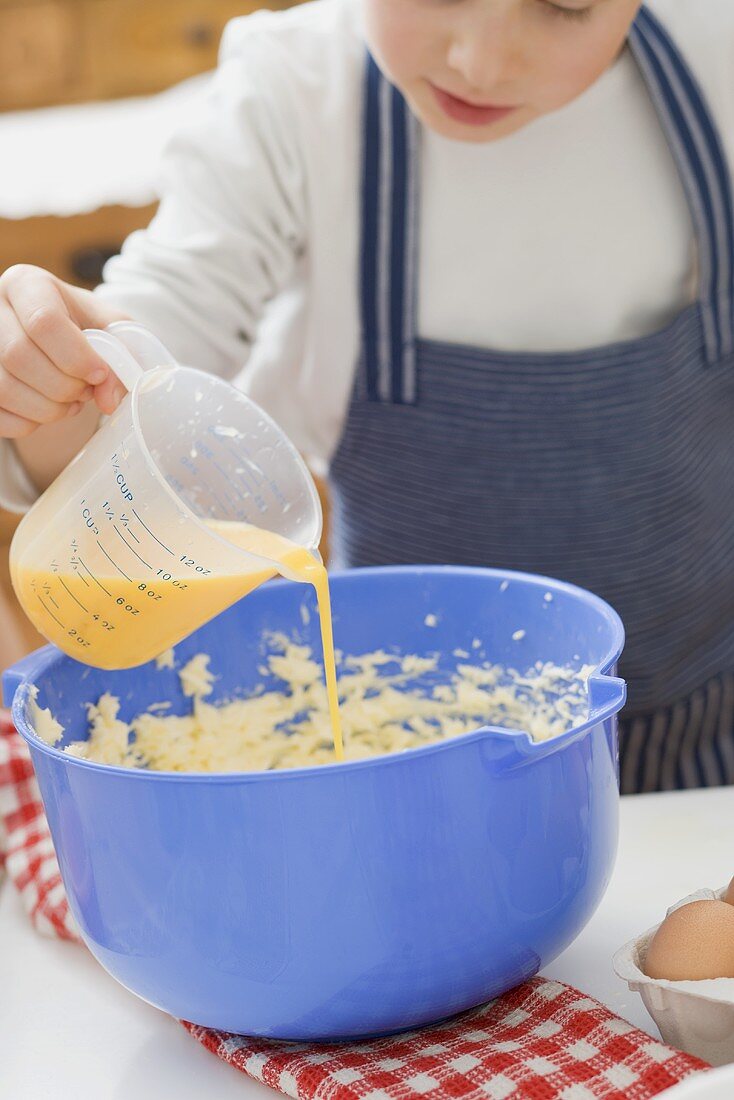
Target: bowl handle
[(607, 695)]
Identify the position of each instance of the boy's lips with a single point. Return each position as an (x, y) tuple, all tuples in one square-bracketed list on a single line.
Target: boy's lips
[(471, 114)]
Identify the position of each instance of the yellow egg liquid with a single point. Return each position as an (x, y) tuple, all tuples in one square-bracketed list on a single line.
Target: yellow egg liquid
[(112, 622)]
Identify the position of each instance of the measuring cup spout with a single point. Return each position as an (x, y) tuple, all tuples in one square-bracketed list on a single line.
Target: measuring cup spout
[(296, 573)]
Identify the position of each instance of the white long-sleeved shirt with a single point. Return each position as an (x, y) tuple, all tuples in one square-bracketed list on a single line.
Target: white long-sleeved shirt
[(573, 232)]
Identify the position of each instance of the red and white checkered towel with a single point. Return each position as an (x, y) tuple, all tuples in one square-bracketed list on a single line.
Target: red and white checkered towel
[(542, 1041)]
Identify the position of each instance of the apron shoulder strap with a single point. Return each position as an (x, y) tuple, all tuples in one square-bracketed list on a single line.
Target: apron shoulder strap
[(389, 241), (698, 151)]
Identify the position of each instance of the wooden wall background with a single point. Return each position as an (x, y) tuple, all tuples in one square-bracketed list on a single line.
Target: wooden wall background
[(68, 51)]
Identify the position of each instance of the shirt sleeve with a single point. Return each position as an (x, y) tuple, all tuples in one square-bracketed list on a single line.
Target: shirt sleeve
[(229, 232)]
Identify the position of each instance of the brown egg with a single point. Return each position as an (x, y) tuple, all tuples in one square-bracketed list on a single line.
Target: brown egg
[(729, 895), (694, 942)]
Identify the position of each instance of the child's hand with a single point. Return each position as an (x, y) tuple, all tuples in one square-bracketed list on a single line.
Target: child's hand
[(48, 371)]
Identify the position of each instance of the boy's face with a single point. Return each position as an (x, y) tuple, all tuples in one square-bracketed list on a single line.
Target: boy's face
[(477, 70)]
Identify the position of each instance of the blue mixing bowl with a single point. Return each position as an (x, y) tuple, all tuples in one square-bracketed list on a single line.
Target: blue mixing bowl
[(355, 899)]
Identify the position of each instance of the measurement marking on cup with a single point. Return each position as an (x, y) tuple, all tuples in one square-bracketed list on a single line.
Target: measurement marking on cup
[(254, 472), (224, 507), (64, 585), (49, 611), (82, 578), (225, 473), (145, 525), (113, 562), (91, 574), (130, 548), (242, 474)]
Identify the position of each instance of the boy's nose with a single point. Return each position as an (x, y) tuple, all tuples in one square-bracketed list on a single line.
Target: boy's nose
[(481, 51)]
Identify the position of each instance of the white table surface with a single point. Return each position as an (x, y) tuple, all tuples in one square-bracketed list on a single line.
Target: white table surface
[(68, 1030)]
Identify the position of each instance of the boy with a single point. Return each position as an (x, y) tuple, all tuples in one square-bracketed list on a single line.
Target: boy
[(494, 242)]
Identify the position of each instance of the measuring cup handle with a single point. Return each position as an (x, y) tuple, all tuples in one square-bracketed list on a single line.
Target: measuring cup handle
[(130, 349), (143, 345), (116, 355)]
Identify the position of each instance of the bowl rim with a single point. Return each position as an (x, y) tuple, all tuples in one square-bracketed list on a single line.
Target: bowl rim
[(527, 749)]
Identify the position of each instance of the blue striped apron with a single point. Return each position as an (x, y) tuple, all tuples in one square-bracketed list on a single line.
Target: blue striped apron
[(611, 467)]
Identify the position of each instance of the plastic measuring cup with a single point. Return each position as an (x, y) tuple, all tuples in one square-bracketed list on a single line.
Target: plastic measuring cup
[(116, 562)]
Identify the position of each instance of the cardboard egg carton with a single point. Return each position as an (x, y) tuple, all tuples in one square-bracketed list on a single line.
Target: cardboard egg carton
[(697, 1017)]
